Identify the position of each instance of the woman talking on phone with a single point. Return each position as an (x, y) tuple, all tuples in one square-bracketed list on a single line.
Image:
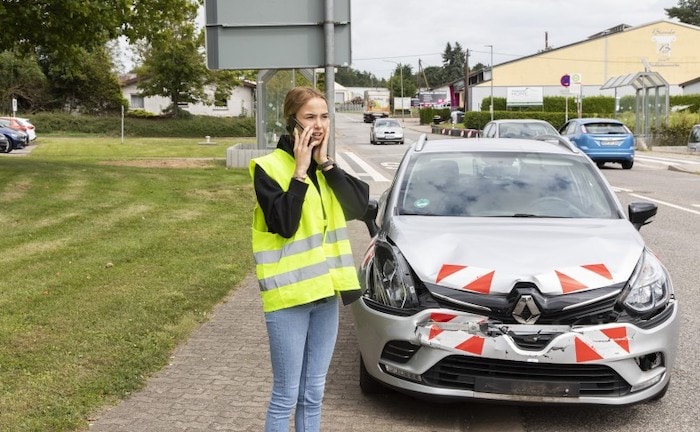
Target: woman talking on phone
[(303, 256)]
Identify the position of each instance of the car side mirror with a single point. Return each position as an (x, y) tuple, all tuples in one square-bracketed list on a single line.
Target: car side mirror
[(370, 217), (641, 212)]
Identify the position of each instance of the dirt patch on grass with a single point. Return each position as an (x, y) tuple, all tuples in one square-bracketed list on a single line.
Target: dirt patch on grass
[(167, 163)]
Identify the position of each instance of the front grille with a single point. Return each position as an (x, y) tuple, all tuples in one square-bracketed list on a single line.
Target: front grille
[(399, 351), (461, 372), (582, 308)]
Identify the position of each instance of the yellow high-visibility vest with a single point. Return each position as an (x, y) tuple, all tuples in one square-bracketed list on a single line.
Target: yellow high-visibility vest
[(316, 262)]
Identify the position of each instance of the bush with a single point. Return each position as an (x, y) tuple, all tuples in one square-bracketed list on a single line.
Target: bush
[(676, 132), (426, 115), (142, 125)]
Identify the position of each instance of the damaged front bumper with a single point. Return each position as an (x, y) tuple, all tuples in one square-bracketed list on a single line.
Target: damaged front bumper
[(450, 354)]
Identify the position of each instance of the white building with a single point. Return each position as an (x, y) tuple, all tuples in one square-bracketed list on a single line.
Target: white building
[(241, 102)]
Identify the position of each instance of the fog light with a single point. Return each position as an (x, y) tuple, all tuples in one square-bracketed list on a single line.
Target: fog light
[(401, 373), (647, 383), (650, 361)]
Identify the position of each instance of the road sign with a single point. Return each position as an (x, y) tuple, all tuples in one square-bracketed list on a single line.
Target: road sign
[(576, 78), (274, 34), (565, 80)]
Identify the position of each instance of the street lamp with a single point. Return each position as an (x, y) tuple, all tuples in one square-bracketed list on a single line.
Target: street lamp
[(491, 49), (401, 77)]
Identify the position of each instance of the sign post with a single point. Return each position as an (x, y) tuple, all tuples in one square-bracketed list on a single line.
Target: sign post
[(566, 82), (576, 81)]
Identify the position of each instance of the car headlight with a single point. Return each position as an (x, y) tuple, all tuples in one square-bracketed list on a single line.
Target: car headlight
[(391, 278), (649, 289)]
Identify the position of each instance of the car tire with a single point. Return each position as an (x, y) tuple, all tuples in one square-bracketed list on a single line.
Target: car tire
[(368, 384), (9, 147), (600, 164), (627, 164)]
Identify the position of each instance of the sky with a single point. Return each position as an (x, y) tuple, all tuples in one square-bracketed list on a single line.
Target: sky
[(386, 32)]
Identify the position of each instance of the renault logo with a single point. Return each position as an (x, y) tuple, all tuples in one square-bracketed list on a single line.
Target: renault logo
[(526, 311)]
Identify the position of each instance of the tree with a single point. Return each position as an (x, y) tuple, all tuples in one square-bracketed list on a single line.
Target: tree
[(687, 11), (409, 83), (21, 79), (350, 77), (84, 81), (453, 62), (56, 27), (174, 66), (435, 75)]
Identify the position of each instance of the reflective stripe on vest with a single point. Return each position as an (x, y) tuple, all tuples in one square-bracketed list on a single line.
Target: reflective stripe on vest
[(317, 261)]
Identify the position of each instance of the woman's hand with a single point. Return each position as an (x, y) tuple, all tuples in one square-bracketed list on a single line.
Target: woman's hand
[(320, 152), (303, 150)]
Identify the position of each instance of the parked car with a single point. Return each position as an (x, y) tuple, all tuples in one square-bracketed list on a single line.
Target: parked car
[(17, 138), (386, 130), (20, 124), (518, 128), (5, 146), (694, 138), (603, 140), (506, 270), (29, 127)]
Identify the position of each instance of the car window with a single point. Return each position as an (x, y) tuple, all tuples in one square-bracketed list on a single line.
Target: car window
[(504, 185), (528, 130), (605, 128), (392, 123)]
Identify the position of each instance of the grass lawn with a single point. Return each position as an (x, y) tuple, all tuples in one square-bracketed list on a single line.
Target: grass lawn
[(110, 255)]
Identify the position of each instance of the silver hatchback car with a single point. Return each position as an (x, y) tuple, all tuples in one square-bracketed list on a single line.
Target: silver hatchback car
[(506, 270)]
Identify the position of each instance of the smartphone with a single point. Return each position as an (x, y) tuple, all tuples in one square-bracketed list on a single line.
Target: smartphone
[(293, 123)]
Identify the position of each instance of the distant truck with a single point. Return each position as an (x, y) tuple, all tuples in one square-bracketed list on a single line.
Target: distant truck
[(376, 105)]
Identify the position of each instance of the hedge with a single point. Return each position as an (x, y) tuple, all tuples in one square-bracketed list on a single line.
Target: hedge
[(138, 126)]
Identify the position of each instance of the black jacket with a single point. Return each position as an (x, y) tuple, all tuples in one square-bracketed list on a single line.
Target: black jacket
[(282, 209)]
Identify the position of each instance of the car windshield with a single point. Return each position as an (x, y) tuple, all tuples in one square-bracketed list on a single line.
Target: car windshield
[(526, 130), (504, 185), (387, 123), (605, 128)]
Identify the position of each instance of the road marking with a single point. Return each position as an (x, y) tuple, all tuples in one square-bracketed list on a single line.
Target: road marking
[(630, 192), (666, 204), (666, 161), (368, 170)]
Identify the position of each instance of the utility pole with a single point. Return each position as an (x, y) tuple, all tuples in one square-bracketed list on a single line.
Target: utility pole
[(492, 108), (466, 81)]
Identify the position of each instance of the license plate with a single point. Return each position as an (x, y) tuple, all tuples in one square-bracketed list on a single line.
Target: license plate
[(526, 388)]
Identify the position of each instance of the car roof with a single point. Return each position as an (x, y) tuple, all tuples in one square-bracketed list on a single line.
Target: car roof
[(492, 145), (599, 120)]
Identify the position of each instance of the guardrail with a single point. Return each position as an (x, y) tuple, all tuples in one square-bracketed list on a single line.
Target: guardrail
[(464, 133)]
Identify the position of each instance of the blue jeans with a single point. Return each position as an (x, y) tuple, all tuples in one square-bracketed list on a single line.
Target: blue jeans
[(302, 339)]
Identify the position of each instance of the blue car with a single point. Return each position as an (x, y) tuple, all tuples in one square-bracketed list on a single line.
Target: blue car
[(603, 140), (5, 146), (17, 138)]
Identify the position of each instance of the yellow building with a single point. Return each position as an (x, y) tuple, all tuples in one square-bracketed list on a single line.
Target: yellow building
[(669, 48)]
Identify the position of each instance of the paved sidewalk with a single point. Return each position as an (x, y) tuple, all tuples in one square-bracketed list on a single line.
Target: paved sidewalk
[(220, 379)]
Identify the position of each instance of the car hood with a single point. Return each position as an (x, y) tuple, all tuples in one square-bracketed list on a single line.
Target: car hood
[(490, 255)]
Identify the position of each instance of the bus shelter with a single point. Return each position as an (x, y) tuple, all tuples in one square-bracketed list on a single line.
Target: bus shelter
[(651, 100)]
